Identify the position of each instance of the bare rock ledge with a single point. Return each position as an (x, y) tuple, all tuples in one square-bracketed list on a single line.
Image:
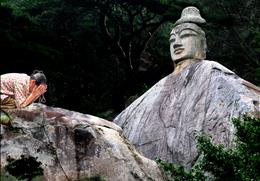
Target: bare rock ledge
[(73, 146)]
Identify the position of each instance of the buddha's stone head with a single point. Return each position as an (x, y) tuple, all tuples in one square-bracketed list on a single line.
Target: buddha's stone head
[(187, 39)]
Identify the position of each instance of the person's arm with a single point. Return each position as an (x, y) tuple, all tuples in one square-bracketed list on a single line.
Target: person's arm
[(35, 94)]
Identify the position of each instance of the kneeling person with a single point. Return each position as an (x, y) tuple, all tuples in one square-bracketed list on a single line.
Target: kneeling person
[(19, 90)]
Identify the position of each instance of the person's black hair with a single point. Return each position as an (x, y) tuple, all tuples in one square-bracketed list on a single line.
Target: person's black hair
[(39, 77)]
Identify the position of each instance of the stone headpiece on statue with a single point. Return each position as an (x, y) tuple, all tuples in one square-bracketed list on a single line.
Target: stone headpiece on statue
[(190, 15)]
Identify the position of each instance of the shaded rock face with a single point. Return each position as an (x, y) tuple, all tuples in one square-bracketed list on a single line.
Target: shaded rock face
[(72, 146), (165, 121)]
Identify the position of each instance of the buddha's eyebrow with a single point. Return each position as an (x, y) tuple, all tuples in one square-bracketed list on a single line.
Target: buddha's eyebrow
[(188, 29)]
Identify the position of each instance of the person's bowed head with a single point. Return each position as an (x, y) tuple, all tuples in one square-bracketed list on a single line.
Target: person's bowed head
[(37, 87)]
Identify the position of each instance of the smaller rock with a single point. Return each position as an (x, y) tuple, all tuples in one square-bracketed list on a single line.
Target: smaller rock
[(71, 146)]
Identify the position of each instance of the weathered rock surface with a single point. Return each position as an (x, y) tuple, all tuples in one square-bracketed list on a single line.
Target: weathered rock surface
[(202, 98), (73, 146)]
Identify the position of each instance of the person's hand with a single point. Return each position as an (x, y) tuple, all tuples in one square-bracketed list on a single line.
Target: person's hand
[(42, 88), (35, 94), (39, 90)]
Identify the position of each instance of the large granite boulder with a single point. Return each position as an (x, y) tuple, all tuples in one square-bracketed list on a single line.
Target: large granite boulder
[(202, 98), (72, 146)]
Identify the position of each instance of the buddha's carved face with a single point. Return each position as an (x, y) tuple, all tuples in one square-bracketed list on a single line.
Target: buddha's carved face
[(187, 41)]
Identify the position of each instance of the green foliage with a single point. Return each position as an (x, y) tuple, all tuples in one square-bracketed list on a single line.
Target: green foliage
[(248, 148), (179, 173), (218, 163), (216, 159), (5, 118), (5, 176)]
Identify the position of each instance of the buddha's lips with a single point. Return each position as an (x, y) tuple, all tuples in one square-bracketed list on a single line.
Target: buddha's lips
[(178, 50)]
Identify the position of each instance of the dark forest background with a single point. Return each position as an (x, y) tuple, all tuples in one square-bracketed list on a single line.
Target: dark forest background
[(99, 55)]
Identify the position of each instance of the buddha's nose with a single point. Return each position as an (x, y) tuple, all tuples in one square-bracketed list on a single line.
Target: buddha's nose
[(177, 43)]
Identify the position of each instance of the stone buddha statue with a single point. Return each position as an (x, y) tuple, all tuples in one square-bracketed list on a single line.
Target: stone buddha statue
[(200, 96), (187, 39)]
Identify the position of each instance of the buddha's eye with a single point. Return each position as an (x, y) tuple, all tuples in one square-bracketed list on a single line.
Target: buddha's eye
[(172, 39), (187, 32)]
